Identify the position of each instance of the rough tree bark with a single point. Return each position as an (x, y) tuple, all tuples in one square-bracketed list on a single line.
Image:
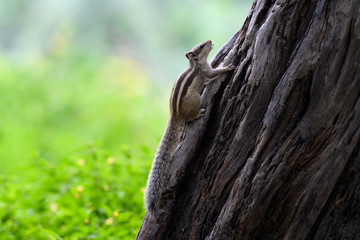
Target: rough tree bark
[(276, 155)]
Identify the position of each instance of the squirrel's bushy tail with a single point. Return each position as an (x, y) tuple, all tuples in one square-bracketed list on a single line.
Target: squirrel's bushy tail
[(159, 169)]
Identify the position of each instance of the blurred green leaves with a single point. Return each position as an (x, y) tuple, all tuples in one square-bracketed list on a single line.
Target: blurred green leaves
[(88, 195), (54, 104)]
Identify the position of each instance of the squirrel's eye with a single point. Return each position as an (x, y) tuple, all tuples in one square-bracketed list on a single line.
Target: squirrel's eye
[(202, 46)]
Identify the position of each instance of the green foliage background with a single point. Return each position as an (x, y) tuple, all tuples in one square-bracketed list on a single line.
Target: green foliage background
[(84, 93)]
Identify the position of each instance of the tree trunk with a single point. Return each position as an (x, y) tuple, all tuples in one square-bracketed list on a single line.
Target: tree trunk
[(276, 155)]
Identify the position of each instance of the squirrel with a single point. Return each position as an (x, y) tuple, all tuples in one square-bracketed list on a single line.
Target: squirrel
[(184, 107)]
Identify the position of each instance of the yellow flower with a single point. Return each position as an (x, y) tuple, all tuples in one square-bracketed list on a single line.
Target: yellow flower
[(81, 162), (109, 221), (116, 214), (106, 187), (54, 207), (87, 221), (110, 160), (142, 190), (80, 188)]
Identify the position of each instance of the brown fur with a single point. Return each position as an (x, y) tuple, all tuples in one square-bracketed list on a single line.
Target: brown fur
[(184, 106)]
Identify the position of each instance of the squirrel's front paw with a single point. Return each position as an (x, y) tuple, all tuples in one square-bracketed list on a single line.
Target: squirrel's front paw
[(231, 67)]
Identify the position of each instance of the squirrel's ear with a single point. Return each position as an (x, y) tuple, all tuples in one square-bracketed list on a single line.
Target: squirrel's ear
[(191, 56)]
